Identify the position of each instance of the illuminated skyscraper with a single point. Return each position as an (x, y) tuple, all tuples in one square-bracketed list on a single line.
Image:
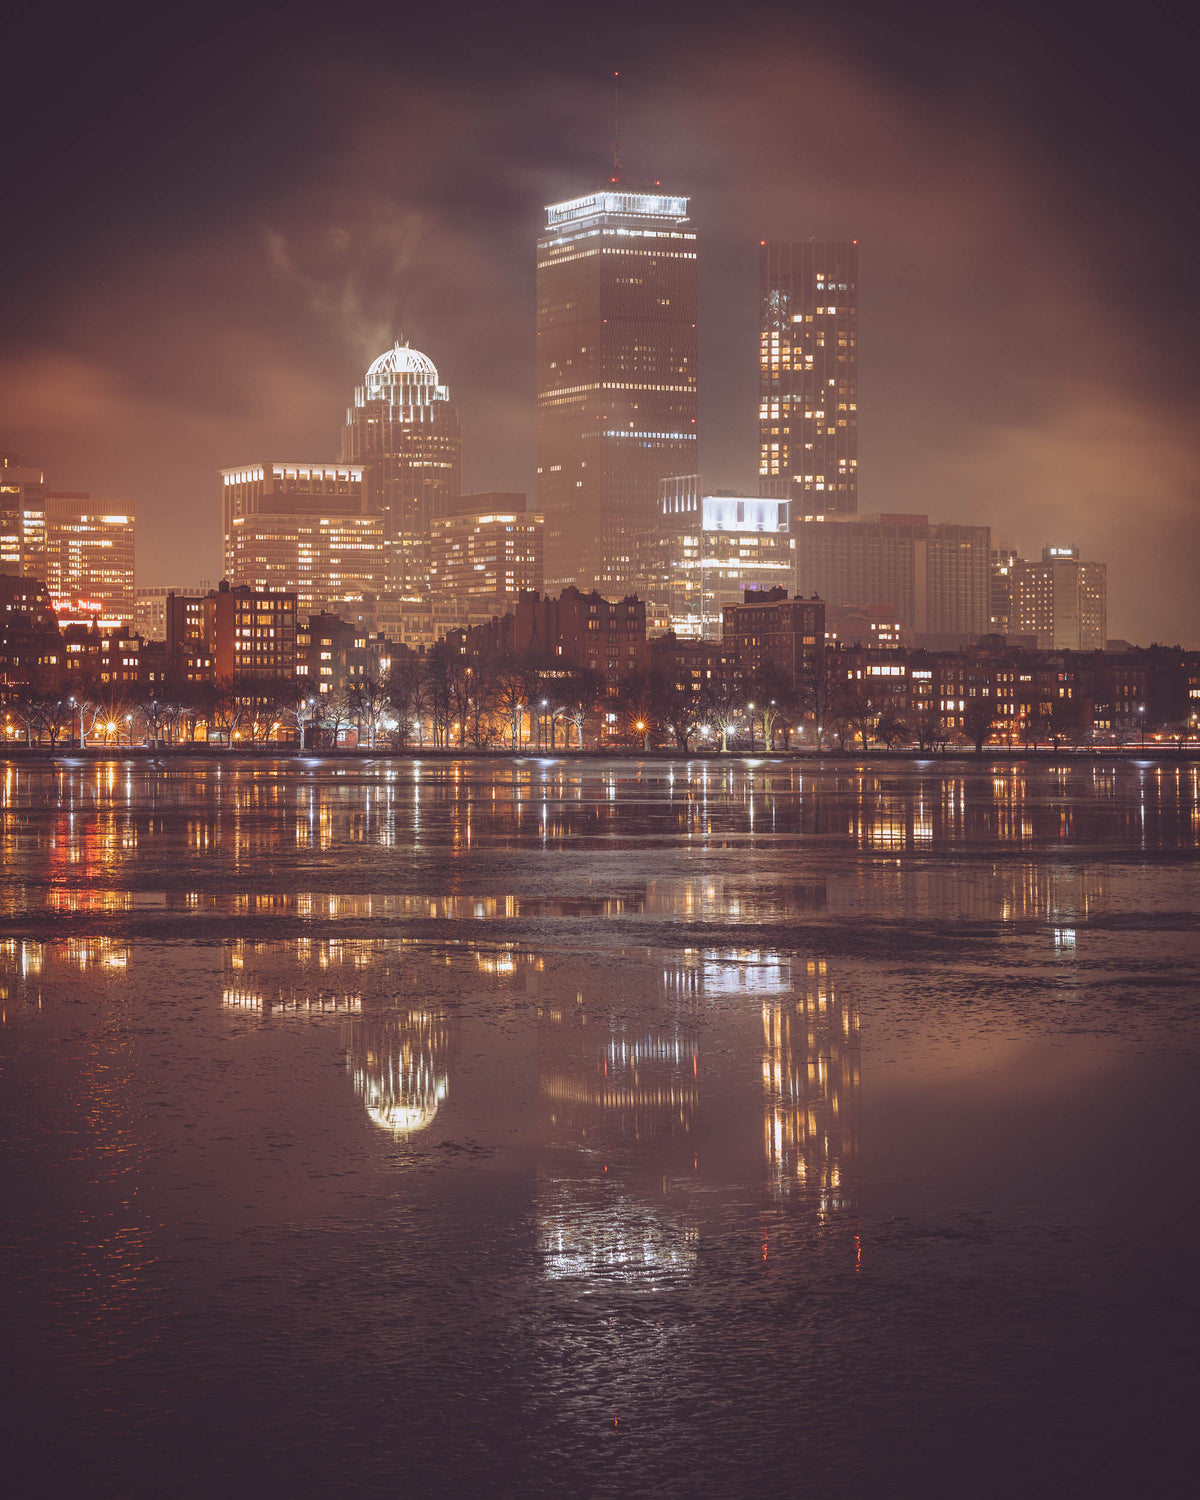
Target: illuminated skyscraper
[(89, 556), (485, 553), (616, 375), (405, 430), (304, 528), (22, 518), (808, 385)]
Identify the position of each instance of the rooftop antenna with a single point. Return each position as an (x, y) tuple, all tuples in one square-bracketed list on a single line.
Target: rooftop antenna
[(616, 171)]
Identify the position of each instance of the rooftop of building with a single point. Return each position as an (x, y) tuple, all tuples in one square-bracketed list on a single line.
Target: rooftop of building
[(618, 201), (484, 502)]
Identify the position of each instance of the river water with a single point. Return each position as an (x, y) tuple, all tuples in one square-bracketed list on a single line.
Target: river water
[(598, 1128)]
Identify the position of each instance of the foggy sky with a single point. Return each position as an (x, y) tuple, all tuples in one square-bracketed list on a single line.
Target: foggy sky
[(210, 235)]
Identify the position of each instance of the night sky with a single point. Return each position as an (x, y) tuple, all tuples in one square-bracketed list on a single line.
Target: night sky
[(214, 221)]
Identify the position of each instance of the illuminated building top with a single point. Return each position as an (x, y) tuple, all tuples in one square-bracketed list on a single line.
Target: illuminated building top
[(402, 377), (575, 212)]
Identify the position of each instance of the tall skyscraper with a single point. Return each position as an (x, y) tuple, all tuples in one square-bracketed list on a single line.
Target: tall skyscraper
[(616, 375), (405, 430), (808, 385)]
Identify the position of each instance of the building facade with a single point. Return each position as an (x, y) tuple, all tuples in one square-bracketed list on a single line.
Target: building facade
[(787, 635), (937, 577), (704, 551), (22, 518), (150, 609), (616, 375), (484, 554), (89, 557), (286, 489), (808, 376), (324, 560), (572, 630), (1061, 601), (1000, 609), (405, 431), (232, 634)]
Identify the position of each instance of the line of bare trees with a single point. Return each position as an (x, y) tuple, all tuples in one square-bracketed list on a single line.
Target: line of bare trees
[(444, 700)]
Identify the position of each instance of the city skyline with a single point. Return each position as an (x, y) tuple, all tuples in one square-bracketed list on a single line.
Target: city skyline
[(995, 276)]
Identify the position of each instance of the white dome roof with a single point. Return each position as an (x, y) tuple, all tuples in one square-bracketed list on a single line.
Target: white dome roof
[(401, 360)]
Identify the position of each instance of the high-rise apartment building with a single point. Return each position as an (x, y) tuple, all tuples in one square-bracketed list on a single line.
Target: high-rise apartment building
[(89, 556), (808, 383), (289, 490), (1061, 601), (616, 374), (484, 554), (404, 429), (323, 560), (704, 552), (82, 549), (937, 577), (22, 518)]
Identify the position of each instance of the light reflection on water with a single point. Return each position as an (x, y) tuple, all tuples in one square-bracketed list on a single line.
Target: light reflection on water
[(583, 1124)]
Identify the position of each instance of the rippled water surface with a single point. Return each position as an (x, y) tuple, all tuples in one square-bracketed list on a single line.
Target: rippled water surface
[(586, 1128)]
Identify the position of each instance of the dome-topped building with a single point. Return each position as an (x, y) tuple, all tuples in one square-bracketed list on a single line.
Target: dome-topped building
[(403, 377), (404, 428)]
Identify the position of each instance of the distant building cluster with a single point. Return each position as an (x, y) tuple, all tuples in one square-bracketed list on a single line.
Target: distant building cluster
[(338, 571), (80, 548)]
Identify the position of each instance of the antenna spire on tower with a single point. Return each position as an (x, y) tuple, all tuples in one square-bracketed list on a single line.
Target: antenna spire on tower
[(616, 170)]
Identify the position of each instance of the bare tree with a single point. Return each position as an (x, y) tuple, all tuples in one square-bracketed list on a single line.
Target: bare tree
[(512, 698), (677, 706), (770, 691), (440, 670), (405, 695), (1065, 723), (854, 708), (336, 713), (368, 700), (721, 706), (638, 700), (818, 691), (581, 692), (224, 709), (930, 730), (979, 718), (891, 730)]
